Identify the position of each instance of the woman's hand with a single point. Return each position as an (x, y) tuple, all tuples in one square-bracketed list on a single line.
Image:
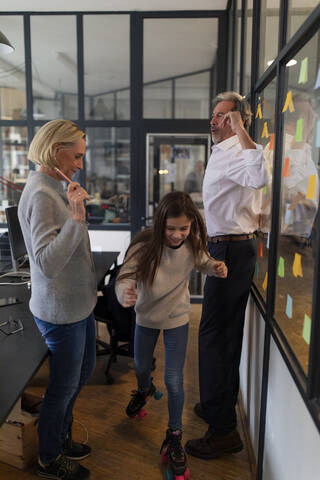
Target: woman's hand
[(76, 195), (130, 296), (220, 270)]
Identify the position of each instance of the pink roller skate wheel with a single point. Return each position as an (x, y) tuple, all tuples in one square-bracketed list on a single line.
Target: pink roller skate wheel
[(142, 414), (187, 474), (164, 458)]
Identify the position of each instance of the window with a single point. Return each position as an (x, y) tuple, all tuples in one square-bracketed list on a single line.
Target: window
[(264, 119), (108, 175), (269, 29), (107, 66), (297, 13), (247, 59), (12, 72), (54, 67), (177, 89), (299, 200)]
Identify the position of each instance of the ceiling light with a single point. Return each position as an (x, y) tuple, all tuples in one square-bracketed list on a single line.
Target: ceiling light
[(5, 45), (291, 63)]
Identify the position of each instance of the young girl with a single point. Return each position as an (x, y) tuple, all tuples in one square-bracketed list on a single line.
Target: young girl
[(155, 277)]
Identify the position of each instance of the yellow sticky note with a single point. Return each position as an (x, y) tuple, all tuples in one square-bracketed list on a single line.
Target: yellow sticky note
[(265, 282), (288, 103), (311, 187), (259, 112), (303, 76), (297, 267), (265, 132)]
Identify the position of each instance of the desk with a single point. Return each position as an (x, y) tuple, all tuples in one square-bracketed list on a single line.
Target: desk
[(22, 354)]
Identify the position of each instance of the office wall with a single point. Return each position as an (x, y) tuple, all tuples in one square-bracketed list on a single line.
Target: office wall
[(109, 241), (251, 370), (292, 442)]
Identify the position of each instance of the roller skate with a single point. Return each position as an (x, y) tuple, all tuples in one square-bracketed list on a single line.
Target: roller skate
[(139, 399), (172, 453)]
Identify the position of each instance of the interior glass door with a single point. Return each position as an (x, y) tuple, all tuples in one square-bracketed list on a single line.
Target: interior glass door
[(177, 162)]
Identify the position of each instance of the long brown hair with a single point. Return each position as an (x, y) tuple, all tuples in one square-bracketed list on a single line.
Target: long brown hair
[(152, 240)]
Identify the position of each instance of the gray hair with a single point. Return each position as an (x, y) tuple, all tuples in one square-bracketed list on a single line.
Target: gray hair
[(240, 105)]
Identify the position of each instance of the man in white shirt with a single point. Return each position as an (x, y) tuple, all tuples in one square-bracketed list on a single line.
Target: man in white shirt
[(232, 195)]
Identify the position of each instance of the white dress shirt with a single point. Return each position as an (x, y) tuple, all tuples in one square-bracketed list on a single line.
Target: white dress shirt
[(232, 188)]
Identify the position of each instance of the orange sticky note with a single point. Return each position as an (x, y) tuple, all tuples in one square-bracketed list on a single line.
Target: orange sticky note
[(297, 267), (286, 168), (259, 112), (265, 282), (260, 253), (271, 144), (265, 132), (311, 187), (288, 103)]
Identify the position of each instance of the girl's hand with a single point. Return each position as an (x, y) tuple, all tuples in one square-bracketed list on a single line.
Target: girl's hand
[(130, 296), (220, 270), (76, 195)]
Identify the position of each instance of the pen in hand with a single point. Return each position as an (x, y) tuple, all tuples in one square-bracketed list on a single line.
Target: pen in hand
[(62, 174)]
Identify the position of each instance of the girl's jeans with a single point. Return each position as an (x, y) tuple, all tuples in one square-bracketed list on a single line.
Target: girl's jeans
[(72, 358), (175, 342)]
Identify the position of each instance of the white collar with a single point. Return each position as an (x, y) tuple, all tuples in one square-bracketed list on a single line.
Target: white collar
[(227, 144)]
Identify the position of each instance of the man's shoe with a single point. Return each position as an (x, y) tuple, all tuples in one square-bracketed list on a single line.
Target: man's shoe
[(63, 468), (75, 451), (198, 410), (214, 446)]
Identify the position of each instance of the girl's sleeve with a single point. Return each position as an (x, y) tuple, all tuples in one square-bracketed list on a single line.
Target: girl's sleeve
[(129, 267), (206, 265)]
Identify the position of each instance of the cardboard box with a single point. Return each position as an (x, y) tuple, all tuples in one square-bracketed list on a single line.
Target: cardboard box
[(19, 441)]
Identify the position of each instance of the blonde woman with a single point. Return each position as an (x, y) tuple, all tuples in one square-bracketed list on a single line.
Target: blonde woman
[(63, 288)]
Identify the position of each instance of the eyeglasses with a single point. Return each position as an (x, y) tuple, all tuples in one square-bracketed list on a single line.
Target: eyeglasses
[(218, 115)]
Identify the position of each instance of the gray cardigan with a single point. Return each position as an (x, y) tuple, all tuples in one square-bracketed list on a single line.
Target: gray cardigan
[(63, 281)]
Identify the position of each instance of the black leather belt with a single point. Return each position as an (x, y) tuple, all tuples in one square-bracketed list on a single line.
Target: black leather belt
[(230, 238)]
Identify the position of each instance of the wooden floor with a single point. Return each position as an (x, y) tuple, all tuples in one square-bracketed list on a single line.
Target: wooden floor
[(129, 449)]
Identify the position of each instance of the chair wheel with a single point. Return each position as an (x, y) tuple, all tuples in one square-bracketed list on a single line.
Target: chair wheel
[(109, 380)]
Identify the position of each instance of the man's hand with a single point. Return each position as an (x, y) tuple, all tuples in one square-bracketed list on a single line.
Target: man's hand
[(234, 120), (220, 270), (130, 296)]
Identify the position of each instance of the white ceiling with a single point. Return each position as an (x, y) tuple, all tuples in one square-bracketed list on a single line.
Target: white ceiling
[(110, 5)]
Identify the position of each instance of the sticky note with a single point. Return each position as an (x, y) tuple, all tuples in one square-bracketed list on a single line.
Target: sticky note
[(265, 132), (287, 214), (265, 282), (311, 187), (259, 112), (288, 103), (299, 129), (271, 144), (303, 75), (289, 306), (317, 84), (268, 240), (286, 168), (306, 332), (260, 254), (265, 190), (281, 267), (297, 267), (318, 134)]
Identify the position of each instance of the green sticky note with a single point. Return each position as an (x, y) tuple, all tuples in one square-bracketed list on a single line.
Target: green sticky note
[(306, 333), (303, 76), (281, 267), (299, 129), (265, 190)]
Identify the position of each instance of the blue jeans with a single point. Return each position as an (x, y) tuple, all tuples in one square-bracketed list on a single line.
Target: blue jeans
[(175, 342), (72, 359)]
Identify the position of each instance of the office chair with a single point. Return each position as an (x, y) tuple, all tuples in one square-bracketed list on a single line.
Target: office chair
[(120, 323)]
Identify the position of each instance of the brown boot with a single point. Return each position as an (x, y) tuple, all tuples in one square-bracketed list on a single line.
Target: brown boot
[(214, 446)]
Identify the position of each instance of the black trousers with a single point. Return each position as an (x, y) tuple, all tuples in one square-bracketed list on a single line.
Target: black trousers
[(221, 333)]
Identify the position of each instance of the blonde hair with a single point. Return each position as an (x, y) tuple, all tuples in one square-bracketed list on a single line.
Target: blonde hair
[(62, 132), (240, 104)]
